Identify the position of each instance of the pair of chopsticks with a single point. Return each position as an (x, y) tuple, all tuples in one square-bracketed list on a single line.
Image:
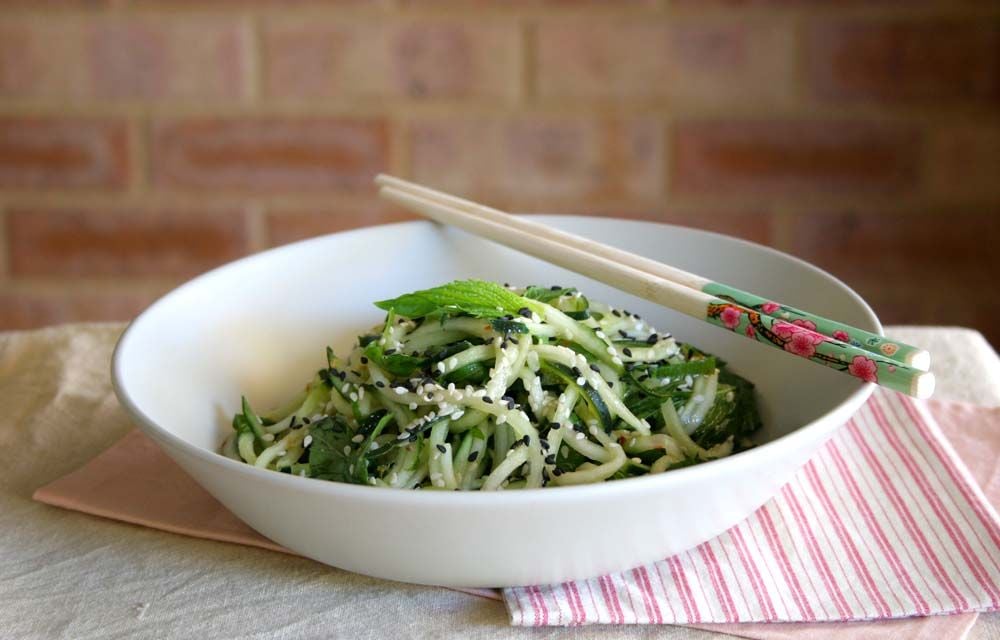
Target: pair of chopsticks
[(860, 353)]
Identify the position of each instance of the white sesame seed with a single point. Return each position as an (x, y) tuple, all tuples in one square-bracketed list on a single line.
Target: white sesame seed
[(617, 361), (636, 460), (440, 367), (358, 438), (580, 435), (600, 334), (353, 397), (413, 406), (361, 392), (581, 381), (347, 450), (400, 390), (611, 350), (453, 361), (267, 437), (308, 440), (451, 387)]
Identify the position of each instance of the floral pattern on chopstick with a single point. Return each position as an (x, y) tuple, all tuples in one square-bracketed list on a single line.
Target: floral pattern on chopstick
[(863, 340), (797, 337)]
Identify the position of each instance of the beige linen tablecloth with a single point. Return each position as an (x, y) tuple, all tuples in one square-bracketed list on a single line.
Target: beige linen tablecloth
[(68, 575)]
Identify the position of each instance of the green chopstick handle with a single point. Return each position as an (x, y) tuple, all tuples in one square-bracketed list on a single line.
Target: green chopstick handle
[(896, 351), (802, 341)]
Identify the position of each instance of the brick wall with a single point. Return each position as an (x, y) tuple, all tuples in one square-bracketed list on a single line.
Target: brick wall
[(143, 141)]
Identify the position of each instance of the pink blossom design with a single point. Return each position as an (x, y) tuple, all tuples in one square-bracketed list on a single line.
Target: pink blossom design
[(730, 317), (750, 331), (864, 368), (770, 307), (805, 324), (803, 344), (798, 339), (841, 335)]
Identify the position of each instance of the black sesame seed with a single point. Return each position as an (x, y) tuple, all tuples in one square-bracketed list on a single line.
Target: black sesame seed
[(306, 420), (429, 396), (557, 472), (400, 321), (627, 352), (508, 317), (487, 400), (616, 313), (636, 316), (544, 443), (379, 384), (356, 373), (291, 425), (555, 425), (507, 285), (524, 312), (342, 375), (389, 352), (364, 360), (550, 459), (652, 339), (595, 368), (503, 345), (623, 334), (442, 448), (545, 475), (526, 440), (576, 371), (555, 287), (610, 384), (473, 456), (513, 339)]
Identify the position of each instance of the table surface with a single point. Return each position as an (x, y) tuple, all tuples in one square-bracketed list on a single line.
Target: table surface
[(65, 574)]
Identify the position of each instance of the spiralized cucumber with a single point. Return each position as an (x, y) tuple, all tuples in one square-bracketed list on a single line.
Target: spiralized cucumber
[(474, 386)]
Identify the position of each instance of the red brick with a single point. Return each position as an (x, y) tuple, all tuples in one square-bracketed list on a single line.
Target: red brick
[(391, 60), (909, 247), (693, 62), (33, 310), (123, 59), (288, 226), (905, 60), (269, 154), (792, 157), (38, 153), (96, 243), (540, 157), (965, 160)]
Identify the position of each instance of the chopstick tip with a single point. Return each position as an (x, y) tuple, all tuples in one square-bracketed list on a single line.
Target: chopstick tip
[(920, 360), (923, 385)]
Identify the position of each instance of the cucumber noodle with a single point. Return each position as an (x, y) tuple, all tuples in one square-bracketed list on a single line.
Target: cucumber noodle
[(476, 386)]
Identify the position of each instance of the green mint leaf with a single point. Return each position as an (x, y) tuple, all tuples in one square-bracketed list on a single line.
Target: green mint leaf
[(475, 297)]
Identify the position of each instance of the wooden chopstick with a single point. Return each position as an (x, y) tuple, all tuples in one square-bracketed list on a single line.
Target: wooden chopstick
[(914, 357), (775, 332)]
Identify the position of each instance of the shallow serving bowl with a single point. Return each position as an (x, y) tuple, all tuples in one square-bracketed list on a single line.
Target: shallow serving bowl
[(259, 326)]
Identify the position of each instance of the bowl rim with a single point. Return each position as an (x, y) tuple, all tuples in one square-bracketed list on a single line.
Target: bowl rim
[(522, 497)]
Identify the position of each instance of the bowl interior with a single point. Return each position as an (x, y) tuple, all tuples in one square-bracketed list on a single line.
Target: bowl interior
[(259, 326)]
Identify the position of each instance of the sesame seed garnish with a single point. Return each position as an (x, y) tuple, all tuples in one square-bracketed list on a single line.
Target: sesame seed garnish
[(550, 459), (636, 460), (524, 312), (307, 441), (526, 439), (652, 339), (347, 450), (442, 448), (616, 313), (306, 420), (627, 352), (379, 384), (353, 397), (557, 472), (617, 360), (358, 438), (400, 390), (413, 406), (364, 360), (473, 456), (595, 368), (544, 443), (580, 435), (487, 400)]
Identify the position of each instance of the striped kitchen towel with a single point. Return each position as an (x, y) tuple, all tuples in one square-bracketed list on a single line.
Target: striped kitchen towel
[(884, 522)]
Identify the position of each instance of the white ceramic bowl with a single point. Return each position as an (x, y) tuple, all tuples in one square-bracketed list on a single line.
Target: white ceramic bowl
[(259, 326)]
